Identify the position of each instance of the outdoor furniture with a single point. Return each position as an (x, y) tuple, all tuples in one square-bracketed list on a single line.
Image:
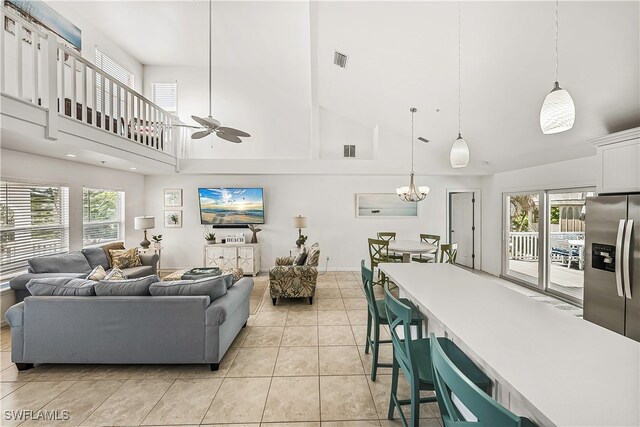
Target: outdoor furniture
[(479, 408), (390, 236), (411, 247), (579, 244), (450, 251), (433, 239), (563, 249)]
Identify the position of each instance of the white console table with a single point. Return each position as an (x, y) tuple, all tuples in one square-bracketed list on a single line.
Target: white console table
[(233, 255)]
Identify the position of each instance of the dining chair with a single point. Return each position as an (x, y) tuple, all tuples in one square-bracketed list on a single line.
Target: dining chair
[(378, 253), (389, 236), (376, 316), (451, 252), (478, 408), (413, 356), (433, 239)]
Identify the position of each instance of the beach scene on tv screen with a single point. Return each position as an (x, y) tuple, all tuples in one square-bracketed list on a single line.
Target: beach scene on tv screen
[(226, 206)]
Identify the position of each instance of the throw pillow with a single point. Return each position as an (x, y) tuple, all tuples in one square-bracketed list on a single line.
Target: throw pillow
[(125, 258), (61, 286), (97, 273), (213, 287), (300, 258), (125, 288), (115, 274), (111, 246), (236, 274)]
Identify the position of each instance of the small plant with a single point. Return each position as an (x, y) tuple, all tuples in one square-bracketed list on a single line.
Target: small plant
[(157, 238), (210, 236)]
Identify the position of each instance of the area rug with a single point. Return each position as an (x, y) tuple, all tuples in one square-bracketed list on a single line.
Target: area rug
[(257, 293)]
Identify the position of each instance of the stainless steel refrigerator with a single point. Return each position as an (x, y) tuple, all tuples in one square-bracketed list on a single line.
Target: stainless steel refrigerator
[(612, 263)]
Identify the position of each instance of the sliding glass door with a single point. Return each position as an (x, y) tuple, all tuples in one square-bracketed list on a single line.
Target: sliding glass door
[(523, 237)]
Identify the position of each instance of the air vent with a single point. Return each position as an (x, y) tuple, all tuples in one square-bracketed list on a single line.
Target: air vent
[(349, 151), (425, 140), (340, 59)]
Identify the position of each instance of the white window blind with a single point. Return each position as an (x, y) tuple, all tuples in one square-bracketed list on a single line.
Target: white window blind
[(117, 73), (102, 216), (165, 95), (34, 221)]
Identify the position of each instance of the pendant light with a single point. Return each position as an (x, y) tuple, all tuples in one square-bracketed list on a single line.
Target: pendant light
[(459, 156), (558, 111), (412, 193)]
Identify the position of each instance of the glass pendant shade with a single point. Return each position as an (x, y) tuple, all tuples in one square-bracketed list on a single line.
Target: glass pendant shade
[(558, 111), (459, 156)]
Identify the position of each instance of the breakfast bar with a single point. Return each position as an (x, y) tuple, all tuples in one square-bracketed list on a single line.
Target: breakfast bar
[(556, 368)]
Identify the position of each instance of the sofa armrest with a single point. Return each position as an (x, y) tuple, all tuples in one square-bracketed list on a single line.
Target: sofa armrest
[(15, 315), (219, 309), (284, 260), (150, 260), (15, 319)]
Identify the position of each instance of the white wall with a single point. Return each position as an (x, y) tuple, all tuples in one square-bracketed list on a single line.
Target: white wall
[(575, 173), (328, 201)]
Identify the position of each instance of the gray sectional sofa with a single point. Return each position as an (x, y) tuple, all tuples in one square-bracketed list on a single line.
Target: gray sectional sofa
[(168, 328), (76, 264)]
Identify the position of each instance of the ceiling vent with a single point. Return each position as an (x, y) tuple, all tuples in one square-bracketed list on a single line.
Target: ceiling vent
[(340, 59), (349, 151)]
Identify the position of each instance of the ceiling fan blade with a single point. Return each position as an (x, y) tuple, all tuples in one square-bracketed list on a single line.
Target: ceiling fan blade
[(186, 126), (200, 134), (232, 131), (228, 137), (205, 122)]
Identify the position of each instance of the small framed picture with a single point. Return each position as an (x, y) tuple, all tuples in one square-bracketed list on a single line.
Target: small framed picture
[(173, 197), (173, 219)]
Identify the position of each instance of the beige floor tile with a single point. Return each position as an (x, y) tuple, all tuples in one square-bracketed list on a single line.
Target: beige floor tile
[(80, 400), (297, 424), (355, 303), (239, 400), (328, 284), (297, 361), (232, 425), (293, 399), (431, 422), (254, 362), (357, 317), (242, 335), (66, 372), (7, 388), (268, 306), (186, 402), (299, 304), (302, 318), (381, 389), (271, 318), (11, 374), (130, 404), (340, 360), (352, 292), (335, 335), (345, 398), (296, 336), (5, 359), (367, 423), (351, 284), (158, 372), (330, 304), (333, 317), (360, 332), (328, 293), (110, 372), (204, 370), (31, 397), (264, 336), (385, 355)]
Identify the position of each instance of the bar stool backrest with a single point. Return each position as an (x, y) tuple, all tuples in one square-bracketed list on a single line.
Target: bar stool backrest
[(399, 317), (367, 283)]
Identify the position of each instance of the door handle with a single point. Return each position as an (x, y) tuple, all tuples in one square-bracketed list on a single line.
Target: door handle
[(626, 259), (619, 256)]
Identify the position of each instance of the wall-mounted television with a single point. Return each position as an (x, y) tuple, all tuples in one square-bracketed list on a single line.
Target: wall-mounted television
[(231, 207)]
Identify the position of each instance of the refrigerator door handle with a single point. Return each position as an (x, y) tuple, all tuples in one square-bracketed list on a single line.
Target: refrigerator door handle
[(626, 260), (619, 256)]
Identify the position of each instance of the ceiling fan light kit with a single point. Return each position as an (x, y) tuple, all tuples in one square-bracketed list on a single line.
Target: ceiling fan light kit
[(411, 193)]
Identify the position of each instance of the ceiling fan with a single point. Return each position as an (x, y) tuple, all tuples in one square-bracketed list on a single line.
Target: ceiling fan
[(208, 124)]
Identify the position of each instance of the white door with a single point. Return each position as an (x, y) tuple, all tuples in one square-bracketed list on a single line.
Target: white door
[(462, 226), (245, 259)]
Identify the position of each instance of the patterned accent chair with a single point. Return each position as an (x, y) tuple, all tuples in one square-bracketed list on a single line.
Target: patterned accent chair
[(295, 281)]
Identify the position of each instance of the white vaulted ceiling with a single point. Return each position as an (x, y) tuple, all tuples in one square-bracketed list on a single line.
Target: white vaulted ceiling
[(403, 54)]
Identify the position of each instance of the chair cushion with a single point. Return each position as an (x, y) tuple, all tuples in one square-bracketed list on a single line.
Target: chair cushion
[(96, 257), (97, 273), (125, 258), (111, 246), (61, 286), (126, 288), (314, 255), (213, 287), (72, 262)]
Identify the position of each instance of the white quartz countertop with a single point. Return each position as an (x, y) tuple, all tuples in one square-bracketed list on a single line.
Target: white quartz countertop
[(573, 372)]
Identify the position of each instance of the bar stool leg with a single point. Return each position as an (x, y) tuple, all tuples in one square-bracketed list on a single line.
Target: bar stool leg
[(368, 340), (395, 368), (415, 402), (375, 347)]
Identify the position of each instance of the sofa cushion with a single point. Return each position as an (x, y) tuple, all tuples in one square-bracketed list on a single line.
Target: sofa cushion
[(125, 258), (96, 257), (140, 271), (72, 262), (125, 288), (115, 274), (111, 246), (61, 286), (97, 273), (213, 287)]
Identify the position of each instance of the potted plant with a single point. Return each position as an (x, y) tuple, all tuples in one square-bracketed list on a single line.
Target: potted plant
[(157, 238), (209, 236), (301, 240)]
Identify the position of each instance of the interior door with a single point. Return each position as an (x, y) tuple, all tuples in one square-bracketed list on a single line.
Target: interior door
[(632, 323), (462, 226)]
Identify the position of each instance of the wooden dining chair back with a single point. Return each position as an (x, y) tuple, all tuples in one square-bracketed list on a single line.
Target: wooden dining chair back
[(387, 235), (448, 253), (432, 239), (478, 408), (378, 252)]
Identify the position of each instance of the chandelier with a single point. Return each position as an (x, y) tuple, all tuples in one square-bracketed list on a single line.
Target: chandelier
[(412, 193)]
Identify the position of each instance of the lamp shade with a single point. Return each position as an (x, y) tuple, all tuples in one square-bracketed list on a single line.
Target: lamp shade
[(300, 221), (144, 222), (459, 156), (558, 112)]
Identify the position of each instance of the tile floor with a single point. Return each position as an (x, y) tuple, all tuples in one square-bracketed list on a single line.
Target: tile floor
[(294, 365)]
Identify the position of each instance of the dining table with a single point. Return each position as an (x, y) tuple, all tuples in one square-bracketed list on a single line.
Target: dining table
[(545, 363), (410, 247)]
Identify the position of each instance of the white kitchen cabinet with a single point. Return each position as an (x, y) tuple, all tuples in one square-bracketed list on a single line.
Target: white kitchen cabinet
[(229, 255), (619, 162)]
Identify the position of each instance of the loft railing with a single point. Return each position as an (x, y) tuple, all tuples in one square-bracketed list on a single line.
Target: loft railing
[(36, 68), (524, 245)]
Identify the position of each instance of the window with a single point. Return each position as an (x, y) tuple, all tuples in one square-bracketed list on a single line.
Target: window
[(102, 216), (118, 73), (165, 95), (34, 221)]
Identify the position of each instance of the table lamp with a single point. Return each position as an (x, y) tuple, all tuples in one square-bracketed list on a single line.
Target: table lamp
[(299, 222), (144, 223)]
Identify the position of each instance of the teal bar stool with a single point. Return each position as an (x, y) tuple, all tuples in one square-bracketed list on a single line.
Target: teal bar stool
[(478, 409), (414, 357), (376, 316)]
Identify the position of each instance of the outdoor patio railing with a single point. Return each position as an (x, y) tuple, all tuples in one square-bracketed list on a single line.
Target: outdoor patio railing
[(525, 245)]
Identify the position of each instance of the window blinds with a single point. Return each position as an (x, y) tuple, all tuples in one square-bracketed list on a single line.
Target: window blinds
[(165, 95), (118, 73), (34, 221)]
